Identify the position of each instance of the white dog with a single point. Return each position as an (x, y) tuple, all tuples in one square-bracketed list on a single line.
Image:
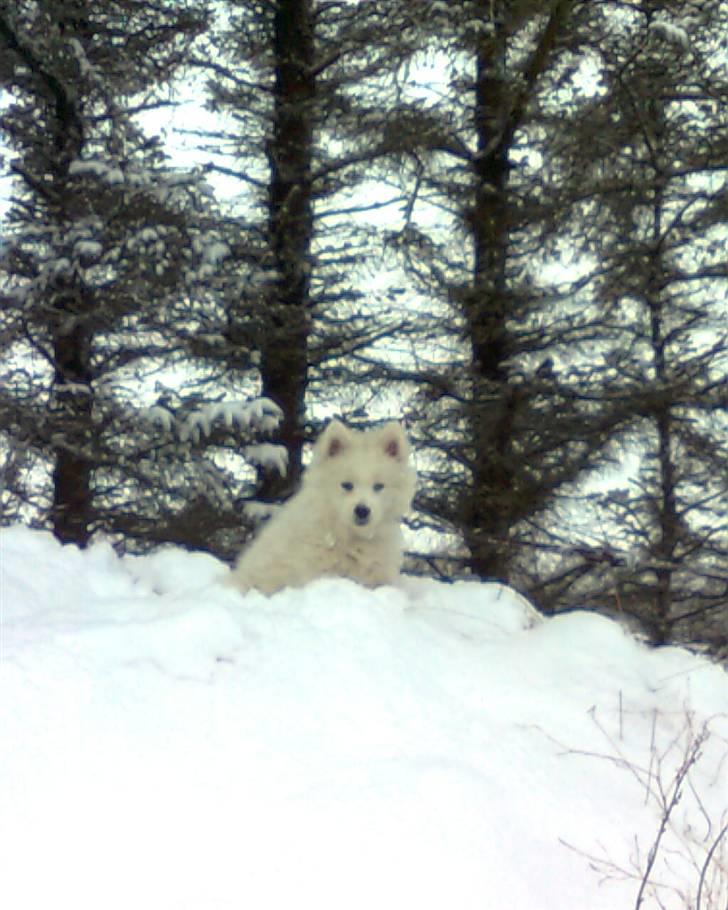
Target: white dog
[(345, 519)]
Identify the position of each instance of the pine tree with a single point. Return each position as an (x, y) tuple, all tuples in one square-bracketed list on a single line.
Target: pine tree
[(303, 83), (111, 262), (655, 185), (507, 412)]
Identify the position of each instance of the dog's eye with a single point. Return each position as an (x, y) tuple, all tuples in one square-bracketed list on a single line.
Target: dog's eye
[(378, 487), (347, 485)]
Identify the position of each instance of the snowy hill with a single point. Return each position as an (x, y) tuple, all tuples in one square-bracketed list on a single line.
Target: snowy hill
[(167, 744)]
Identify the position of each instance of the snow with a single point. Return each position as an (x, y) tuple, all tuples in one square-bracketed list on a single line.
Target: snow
[(95, 167), (268, 455), (168, 744), (212, 250), (88, 249), (671, 31), (257, 413), (85, 68), (157, 414), (260, 413)]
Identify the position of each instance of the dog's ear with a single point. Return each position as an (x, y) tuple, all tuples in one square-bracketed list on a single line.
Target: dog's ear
[(394, 441), (333, 440)]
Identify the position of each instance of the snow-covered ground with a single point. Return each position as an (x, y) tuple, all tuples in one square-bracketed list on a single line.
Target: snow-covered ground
[(168, 744)]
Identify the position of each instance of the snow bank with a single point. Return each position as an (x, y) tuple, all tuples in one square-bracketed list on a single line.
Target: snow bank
[(169, 744)]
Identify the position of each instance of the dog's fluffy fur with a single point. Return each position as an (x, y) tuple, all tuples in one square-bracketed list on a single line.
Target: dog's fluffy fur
[(345, 519)]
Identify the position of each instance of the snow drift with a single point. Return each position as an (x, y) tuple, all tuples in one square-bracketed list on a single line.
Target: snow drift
[(167, 743)]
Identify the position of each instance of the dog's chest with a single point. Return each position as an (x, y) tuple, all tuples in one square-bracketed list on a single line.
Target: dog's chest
[(361, 560)]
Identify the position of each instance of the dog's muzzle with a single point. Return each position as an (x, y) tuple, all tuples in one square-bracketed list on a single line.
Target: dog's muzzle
[(362, 514)]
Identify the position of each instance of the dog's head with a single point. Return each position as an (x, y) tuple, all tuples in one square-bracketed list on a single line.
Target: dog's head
[(365, 475)]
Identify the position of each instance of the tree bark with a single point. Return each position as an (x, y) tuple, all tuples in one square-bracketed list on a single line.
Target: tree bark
[(284, 349), (71, 342), (495, 503), (491, 410), (72, 472)]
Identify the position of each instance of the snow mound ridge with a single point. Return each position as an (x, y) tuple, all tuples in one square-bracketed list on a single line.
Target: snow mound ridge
[(168, 743)]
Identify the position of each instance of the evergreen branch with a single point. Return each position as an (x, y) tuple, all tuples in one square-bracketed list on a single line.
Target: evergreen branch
[(537, 64), (66, 112)]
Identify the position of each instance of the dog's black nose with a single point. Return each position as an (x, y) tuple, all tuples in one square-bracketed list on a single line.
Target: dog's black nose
[(361, 514)]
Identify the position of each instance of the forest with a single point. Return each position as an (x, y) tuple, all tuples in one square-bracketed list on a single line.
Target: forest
[(503, 221)]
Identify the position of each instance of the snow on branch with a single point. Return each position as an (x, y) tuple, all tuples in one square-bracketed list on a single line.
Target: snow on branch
[(260, 414), (84, 67), (258, 511), (95, 167), (671, 32), (268, 455), (160, 416)]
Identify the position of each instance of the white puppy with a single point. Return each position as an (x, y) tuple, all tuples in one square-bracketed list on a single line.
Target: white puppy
[(345, 519)]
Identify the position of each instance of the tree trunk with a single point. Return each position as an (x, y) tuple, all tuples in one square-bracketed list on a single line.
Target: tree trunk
[(72, 496), (284, 351), (665, 545), (492, 407), (495, 502)]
